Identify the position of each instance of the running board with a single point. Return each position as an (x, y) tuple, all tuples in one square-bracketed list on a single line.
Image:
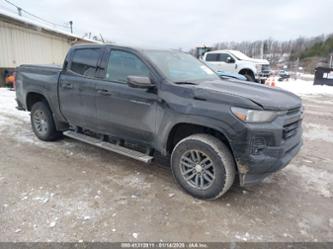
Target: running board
[(109, 146)]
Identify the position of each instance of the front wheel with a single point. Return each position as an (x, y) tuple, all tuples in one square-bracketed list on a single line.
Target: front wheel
[(249, 77), (203, 166), (42, 122)]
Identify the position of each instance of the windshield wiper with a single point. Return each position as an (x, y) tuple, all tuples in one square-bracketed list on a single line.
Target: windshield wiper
[(185, 83)]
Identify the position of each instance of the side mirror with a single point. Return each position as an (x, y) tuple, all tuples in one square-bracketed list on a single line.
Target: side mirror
[(230, 60), (139, 81)]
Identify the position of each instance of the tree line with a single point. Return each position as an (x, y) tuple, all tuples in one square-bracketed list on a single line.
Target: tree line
[(305, 52)]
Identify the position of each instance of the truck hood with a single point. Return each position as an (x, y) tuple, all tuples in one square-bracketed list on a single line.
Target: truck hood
[(265, 97), (257, 61)]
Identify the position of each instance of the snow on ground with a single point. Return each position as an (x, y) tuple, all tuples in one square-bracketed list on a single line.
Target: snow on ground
[(304, 87), (8, 109), (313, 179), (316, 131), (16, 123), (8, 104)]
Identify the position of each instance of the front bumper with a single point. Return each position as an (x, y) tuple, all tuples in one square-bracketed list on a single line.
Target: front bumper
[(263, 73), (268, 147), (271, 165)]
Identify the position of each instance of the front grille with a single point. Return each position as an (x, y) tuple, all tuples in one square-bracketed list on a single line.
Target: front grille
[(290, 130), (265, 69)]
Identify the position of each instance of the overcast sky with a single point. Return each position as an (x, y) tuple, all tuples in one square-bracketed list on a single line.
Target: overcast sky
[(188, 23)]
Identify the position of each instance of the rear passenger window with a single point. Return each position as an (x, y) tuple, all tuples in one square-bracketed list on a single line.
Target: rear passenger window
[(84, 61), (212, 57), (122, 64)]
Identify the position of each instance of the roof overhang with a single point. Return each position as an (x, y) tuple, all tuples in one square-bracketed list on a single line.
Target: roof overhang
[(21, 21)]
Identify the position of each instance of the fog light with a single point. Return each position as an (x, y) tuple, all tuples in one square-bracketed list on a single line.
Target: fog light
[(258, 144)]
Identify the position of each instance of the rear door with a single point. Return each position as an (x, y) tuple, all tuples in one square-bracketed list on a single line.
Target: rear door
[(77, 87), (212, 60), (124, 111)]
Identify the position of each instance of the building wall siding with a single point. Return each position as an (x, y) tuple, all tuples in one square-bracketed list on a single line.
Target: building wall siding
[(20, 45)]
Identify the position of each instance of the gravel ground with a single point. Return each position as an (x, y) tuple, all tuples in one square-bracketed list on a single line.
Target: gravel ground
[(70, 191)]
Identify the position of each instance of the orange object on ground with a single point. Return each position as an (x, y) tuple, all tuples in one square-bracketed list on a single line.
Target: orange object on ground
[(10, 80), (270, 82)]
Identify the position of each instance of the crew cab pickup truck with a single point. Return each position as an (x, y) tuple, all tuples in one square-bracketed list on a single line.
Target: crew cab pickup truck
[(142, 102), (234, 61)]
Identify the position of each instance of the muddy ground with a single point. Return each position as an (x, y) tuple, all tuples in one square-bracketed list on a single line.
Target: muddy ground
[(69, 191)]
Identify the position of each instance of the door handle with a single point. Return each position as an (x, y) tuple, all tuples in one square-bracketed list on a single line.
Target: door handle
[(67, 85), (104, 92)]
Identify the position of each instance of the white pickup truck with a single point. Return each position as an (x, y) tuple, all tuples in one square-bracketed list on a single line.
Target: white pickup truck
[(236, 62)]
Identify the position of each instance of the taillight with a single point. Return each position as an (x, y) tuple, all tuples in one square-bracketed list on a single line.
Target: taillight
[(14, 81)]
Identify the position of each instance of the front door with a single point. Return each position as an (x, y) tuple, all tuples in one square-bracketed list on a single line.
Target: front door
[(123, 111), (221, 62), (227, 62)]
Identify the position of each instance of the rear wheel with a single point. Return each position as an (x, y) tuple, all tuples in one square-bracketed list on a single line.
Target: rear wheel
[(203, 166), (42, 122)]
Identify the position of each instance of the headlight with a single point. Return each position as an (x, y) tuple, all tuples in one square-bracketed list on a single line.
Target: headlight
[(255, 116)]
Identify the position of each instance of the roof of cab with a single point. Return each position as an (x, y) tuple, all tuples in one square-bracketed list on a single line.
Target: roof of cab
[(88, 45), (220, 51), (78, 46)]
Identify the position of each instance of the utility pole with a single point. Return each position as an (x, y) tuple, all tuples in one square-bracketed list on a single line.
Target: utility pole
[(19, 10), (101, 37), (71, 26)]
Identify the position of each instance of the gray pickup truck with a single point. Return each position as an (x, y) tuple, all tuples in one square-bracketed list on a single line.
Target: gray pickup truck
[(142, 102)]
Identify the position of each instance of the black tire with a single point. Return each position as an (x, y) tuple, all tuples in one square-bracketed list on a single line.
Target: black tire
[(218, 155), (249, 77), (42, 122)]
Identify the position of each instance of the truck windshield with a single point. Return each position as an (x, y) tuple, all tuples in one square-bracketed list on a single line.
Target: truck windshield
[(180, 67), (239, 55)]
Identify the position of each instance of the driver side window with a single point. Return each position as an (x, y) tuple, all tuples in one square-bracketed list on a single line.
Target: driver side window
[(224, 57), (122, 64)]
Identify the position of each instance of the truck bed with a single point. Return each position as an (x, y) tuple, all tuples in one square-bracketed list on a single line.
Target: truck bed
[(41, 79)]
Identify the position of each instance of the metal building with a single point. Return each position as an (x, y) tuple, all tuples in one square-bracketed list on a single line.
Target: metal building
[(23, 41)]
